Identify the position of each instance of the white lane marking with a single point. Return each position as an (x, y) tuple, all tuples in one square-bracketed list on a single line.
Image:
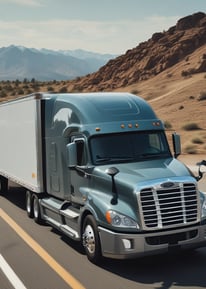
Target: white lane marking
[(10, 274)]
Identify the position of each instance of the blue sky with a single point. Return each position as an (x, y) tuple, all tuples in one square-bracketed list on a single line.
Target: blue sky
[(104, 26)]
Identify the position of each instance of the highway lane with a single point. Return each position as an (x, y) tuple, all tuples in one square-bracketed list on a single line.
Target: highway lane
[(186, 270), (33, 272)]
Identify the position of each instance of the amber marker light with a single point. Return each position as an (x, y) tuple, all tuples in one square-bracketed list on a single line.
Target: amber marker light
[(108, 217), (122, 126), (130, 125), (98, 128), (136, 125)]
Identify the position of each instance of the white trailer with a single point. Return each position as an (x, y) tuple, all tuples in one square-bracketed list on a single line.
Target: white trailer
[(21, 144)]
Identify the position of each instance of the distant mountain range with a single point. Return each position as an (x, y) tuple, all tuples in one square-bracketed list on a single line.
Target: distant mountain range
[(19, 62)]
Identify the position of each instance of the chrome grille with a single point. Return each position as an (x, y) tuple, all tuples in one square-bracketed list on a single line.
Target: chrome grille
[(169, 206)]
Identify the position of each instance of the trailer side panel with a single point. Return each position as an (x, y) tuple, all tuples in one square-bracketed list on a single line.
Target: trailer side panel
[(20, 142)]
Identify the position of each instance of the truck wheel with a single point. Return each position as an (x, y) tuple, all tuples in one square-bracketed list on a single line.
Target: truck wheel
[(91, 241), (36, 209), (29, 204), (3, 185)]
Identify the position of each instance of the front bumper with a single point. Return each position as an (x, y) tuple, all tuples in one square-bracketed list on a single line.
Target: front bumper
[(124, 246)]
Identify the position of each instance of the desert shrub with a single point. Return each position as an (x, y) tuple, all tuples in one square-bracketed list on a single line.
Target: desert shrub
[(50, 88), (29, 91), (135, 91), (8, 87), (25, 86), (20, 91), (188, 73), (197, 140), (184, 73), (202, 96), (63, 89), (3, 93), (190, 126), (167, 124), (190, 149), (191, 97)]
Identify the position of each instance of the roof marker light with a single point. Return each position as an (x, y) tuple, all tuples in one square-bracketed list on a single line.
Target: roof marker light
[(156, 123)]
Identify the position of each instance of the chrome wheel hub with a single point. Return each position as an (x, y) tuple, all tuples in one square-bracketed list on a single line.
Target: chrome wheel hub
[(88, 239)]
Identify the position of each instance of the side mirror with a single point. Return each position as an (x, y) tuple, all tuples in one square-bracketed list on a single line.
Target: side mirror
[(201, 171), (112, 171), (176, 144), (72, 155)]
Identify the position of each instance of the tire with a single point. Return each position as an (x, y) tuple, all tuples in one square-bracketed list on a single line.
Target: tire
[(91, 240), (36, 209), (3, 185), (29, 204)]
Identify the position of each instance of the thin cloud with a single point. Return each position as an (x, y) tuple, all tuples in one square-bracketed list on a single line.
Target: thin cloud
[(23, 2), (104, 37)]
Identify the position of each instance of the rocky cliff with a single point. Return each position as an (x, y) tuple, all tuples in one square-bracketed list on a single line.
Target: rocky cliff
[(162, 51)]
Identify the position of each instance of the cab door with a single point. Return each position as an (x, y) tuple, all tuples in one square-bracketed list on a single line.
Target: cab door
[(79, 176)]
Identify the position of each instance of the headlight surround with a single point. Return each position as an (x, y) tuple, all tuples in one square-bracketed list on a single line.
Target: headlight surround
[(119, 220)]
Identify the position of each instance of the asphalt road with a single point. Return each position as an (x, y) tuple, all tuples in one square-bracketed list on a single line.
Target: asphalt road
[(38, 257)]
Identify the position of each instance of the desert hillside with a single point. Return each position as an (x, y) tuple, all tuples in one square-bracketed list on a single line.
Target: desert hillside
[(168, 70), (179, 101)]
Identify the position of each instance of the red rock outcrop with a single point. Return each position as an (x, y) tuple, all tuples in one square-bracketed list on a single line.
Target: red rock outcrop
[(149, 58)]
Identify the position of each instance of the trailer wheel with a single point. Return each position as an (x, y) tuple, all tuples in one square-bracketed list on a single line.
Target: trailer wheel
[(29, 204), (36, 209), (90, 240)]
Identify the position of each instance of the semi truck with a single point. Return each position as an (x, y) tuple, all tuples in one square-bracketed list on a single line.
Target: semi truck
[(99, 168)]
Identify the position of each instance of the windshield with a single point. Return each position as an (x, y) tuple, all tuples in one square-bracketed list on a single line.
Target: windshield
[(128, 147)]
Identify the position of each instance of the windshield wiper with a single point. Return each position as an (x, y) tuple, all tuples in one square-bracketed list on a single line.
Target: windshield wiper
[(113, 158), (152, 155)]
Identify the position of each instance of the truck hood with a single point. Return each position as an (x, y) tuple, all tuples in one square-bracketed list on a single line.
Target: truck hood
[(148, 170)]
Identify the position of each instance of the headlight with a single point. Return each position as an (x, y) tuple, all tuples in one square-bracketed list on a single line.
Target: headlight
[(118, 220), (203, 204)]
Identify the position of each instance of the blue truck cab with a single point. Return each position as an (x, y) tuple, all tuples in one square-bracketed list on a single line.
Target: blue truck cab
[(112, 180)]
